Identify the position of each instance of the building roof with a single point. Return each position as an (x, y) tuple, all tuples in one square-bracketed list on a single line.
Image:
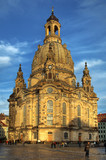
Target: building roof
[(102, 114), (2, 116), (52, 17), (3, 124), (102, 117)]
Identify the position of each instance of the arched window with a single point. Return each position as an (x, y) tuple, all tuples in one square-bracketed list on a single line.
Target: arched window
[(79, 115), (79, 122), (48, 30), (36, 114), (35, 135), (64, 108), (49, 132), (67, 60), (78, 110), (17, 90), (64, 120), (56, 30), (49, 75), (49, 112), (88, 115), (87, 89), (36, 109), (24, 115), (49, 106), (65, 135), (88, 112), (49, 119)]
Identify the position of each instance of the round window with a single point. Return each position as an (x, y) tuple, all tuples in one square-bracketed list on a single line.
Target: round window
[(49, 90)]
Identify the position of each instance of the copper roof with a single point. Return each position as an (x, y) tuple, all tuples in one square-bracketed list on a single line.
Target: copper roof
[(52, 17)]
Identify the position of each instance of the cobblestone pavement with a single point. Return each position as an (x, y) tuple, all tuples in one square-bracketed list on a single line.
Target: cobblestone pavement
[(44, 152)]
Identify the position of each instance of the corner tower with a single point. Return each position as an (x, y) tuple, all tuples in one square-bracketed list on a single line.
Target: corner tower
[(19, 82), (86, 79)]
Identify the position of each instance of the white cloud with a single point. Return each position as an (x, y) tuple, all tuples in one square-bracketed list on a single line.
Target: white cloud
[(4, 106), (6, 83), (13, 49), (4, 61), (13, 52), (6, 112), (99, 75), (21, 44), (103, 97), (90, 63), (36, 41), (88, 51), (3, 102), (8, 48)]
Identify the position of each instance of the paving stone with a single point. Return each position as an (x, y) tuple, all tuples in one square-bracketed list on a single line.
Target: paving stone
[(44, 152)]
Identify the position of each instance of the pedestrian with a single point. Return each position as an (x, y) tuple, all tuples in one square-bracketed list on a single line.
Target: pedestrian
[(15, 142), (105, 146), (52, 145), (23, 143), (87, 146), (79, 142), (57, 144)]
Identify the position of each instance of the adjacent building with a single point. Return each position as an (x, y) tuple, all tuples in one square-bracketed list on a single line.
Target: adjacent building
[(102, 126), (4, 118), (53, 107), (4, 123)]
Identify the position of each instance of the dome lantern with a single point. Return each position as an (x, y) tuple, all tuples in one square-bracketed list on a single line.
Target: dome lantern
[(52, 29)]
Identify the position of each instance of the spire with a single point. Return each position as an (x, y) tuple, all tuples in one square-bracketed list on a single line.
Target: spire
[(20, 73), (19, 82), (86, 79), (52, 17), (20, 68), (86, 71), (85, 64), (52, 10)]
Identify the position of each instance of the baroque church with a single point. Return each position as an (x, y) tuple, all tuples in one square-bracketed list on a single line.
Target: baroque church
[(53, 107)]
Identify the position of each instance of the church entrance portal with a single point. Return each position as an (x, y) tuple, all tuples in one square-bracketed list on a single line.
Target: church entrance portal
[(50, 136)]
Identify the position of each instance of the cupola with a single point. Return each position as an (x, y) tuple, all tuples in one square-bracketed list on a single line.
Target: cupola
[(52, 29)]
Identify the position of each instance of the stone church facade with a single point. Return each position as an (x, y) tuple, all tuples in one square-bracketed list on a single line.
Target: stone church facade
[(53, 107)]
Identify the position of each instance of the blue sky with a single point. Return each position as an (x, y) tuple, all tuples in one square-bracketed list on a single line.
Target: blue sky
[(83, 29)]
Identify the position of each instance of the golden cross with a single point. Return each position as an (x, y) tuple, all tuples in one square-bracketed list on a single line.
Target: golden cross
[(52, 9)]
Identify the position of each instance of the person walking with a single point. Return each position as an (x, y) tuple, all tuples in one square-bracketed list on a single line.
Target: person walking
[(87, 146), (79, 142)]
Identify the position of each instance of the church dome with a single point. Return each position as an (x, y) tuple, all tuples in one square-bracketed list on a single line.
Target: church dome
[(53, 48), (61, 56)]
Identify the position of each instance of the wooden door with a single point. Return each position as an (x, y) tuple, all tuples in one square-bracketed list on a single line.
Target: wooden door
[(50, 136)]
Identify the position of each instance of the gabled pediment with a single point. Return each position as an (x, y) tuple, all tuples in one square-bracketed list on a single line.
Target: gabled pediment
[(80, 93), (21, 93)]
